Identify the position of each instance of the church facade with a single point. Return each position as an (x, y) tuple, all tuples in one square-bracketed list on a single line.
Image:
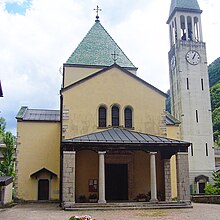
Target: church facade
[(111, 139)]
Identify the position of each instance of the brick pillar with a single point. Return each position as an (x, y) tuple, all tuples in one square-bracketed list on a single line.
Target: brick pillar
[(182, 168), (102, 177), (153, 177), (167, 176), (69, 175)]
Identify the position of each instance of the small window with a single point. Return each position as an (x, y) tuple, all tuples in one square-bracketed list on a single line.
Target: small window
[(206, 149), (102, 117), (197, 116), (115, 116), (187, 83), (192, 150), (128, 117), (202, 84)]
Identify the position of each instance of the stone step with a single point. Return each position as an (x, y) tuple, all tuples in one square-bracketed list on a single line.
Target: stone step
[(122, 206)]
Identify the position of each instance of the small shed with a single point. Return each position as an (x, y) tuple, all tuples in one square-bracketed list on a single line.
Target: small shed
[(6, 183)]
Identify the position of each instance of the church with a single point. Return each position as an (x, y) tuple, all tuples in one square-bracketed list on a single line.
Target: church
[(112, 140)]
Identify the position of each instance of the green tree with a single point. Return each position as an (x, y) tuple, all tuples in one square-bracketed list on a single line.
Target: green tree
[(7, 164), (214, 189)]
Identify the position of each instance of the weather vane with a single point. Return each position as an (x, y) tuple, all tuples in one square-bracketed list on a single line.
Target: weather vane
[(114, 56), (97, 9)]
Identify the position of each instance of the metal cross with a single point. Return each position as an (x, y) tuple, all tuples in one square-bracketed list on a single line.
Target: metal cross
[(97, 9), (114, 56)]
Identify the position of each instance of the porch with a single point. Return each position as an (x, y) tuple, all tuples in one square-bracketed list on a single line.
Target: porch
[(140, 161)]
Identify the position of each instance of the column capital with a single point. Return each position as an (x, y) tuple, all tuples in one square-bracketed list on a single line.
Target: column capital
[(69, 152), (101, 152), (153, 153)]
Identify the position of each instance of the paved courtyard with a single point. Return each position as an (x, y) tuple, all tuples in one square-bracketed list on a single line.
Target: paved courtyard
[(53, 212)]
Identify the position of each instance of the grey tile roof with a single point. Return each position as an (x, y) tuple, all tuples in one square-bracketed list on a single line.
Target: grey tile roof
[(184, 5), (26, 114), (122, 136), (170, 120), (97, 48)]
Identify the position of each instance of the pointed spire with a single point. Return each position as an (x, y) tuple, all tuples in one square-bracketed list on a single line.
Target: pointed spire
[(184, 5)]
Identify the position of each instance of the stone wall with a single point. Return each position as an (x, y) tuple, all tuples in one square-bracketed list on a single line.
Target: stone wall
[(68, 178), (182, 176), (206, 199)]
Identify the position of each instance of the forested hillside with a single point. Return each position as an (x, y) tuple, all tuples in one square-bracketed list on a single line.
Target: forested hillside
[(214, 81)]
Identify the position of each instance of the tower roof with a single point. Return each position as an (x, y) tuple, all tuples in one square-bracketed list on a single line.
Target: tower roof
[(97, 48), (184, 5)]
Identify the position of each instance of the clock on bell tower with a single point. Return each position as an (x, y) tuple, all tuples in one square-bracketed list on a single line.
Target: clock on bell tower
[(189, 89)]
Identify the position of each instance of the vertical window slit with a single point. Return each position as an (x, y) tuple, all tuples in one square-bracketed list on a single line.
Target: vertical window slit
[(206, 149), (202, 84), (192, 149), (187, 83), (197, 117)]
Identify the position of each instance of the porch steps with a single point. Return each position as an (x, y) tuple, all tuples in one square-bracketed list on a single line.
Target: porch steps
[(128, 205)]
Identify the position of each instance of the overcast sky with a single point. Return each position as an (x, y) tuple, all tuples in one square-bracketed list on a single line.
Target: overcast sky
[(38, 36)]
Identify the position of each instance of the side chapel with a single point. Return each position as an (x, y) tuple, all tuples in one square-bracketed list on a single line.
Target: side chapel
[(111, 136)]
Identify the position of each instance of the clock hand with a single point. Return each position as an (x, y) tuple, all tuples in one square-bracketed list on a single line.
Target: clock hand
[(194, 55)]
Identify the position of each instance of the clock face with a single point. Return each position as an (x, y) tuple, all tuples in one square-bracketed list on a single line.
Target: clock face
[(193, 57), (173, 62)]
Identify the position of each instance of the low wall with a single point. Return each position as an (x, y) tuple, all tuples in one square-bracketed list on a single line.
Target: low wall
[(206, 199)]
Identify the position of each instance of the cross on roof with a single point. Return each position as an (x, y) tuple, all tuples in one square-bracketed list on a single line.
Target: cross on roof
[(97, 9), (114, 56)]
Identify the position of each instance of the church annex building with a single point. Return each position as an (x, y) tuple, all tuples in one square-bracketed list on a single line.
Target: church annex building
[(110, 141)]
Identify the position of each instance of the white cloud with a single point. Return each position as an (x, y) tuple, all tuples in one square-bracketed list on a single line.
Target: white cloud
[(34, 45)]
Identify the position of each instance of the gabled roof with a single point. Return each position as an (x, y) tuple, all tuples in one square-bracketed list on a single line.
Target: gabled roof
[(97, 48), (1, 92), (123, 136), (43, 170), (183, 5), (26, 114), (108, 68)]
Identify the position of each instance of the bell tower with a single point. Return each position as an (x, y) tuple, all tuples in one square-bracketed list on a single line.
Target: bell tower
[(189, 89)]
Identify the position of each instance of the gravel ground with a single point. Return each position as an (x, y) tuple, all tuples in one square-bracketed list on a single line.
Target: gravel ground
[(53, 212)]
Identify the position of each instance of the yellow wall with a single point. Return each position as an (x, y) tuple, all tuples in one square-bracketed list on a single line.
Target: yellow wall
[(173, 131), (73, 74), (112, 87), (37, 148), (87, 168)]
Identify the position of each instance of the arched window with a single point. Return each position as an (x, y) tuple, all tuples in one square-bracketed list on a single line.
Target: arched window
[(128, 117), (102, 117), (115, 115)]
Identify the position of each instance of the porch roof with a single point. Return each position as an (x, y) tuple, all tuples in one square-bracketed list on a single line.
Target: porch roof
[(123, 136), (43, 170), (5, 180)]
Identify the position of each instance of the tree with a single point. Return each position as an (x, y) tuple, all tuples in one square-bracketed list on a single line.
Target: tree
[(7, 164), (214, 189)]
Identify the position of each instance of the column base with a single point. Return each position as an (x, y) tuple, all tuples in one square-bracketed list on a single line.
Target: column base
[(101, 201), (153, 200)]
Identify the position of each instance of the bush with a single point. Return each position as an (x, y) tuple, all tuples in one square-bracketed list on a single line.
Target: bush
[(212, 190)]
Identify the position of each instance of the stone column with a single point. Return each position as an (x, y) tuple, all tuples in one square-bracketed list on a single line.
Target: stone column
[(153, 177), (102, 177), (167, 176), (182, 170), (69, 178)]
